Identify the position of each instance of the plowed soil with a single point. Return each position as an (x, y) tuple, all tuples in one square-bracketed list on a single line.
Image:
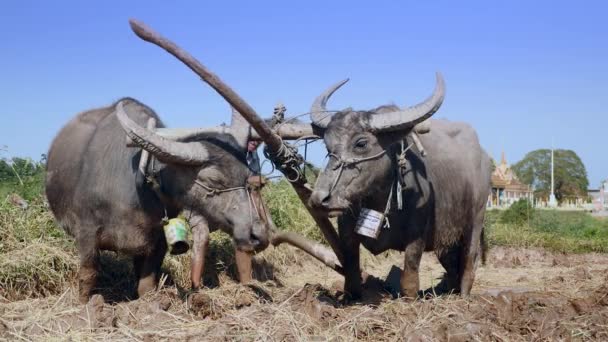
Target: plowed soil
[(519, 295)]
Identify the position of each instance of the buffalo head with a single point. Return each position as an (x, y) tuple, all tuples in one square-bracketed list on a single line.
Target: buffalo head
[(357, 143), (207, 177)]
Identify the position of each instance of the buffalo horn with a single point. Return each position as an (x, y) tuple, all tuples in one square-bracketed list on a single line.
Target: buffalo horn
[(409, 117), (287, 131), (320, 117), (164, 149), (393, 121)]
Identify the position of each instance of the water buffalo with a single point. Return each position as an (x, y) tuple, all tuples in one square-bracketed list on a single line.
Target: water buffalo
[(96, 192), (443, 193)]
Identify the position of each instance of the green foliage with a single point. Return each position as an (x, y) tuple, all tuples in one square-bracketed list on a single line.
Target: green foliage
[(563, 231), (21, 176), (518, 213), (574, 224), (288, 212), (311, 172), (569, 173), (31, 188)]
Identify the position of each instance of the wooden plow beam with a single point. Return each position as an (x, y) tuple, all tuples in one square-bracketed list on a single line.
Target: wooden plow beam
[(282, 155)]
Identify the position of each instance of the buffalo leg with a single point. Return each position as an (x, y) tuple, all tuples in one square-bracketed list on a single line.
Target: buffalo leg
[(410, 279), (243, 265), (87, 275), (450, 259), (200, 233), (352, 269), (471, 249), (349, 244), (147, 268)]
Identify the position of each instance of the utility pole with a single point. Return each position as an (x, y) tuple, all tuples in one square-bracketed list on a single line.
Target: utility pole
[(552, 200)]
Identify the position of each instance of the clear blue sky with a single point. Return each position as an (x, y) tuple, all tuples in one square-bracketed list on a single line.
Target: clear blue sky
[(521, 72)]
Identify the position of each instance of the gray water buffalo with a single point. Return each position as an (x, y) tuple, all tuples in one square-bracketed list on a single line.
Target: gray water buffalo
[(97, 194), (373, 160)]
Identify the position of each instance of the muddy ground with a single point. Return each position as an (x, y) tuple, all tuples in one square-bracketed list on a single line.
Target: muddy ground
[(528, 295)]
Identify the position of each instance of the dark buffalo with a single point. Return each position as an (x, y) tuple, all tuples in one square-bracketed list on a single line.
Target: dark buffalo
[(444, 193), (97, 194)]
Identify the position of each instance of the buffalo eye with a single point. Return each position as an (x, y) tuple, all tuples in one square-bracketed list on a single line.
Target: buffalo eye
[(361, 143)]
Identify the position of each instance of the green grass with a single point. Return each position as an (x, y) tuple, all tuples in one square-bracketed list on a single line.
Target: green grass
[(36, 257), (31, 188), (288, 212), (562, 231), (520, 226)]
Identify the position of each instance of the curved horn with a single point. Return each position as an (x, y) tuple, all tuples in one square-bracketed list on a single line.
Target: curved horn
[(165, 150), (318, 112), (287, 131), (411, 116)]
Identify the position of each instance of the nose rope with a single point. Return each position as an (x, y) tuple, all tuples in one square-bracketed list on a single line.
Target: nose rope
[(210, 191), (342, 162), (250, 201), (261, 211), (333, 185), (401, 164), (215, 191)]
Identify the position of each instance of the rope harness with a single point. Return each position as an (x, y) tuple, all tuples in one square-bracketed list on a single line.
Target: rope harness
[(401, 165), (215, 191), (252, 188), (287, 159), (342, 162)]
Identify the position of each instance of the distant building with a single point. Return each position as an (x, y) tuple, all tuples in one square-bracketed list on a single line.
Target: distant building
[(599, 197), (506, 187)]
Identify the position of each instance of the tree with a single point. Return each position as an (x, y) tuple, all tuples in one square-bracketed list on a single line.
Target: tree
[(25, 167), (6, 171), (21, 176), (569, 173)]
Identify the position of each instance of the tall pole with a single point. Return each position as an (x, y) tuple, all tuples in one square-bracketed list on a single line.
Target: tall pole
[(552, 178), (552, 200)]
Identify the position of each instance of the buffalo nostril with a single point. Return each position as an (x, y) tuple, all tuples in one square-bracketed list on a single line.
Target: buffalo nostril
[(325, 200), (259, 242), (254, 239), (320, 198)]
